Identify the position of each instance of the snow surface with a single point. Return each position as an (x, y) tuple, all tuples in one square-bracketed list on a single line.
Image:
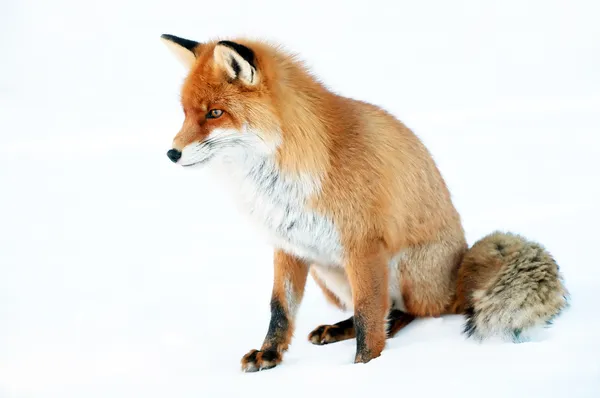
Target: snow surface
[(122, 275)]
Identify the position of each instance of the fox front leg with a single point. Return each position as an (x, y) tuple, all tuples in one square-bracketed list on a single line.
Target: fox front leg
[(288, 289), (367, 274)]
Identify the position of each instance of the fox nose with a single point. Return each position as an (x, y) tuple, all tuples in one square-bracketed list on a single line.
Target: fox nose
[(174, 155)]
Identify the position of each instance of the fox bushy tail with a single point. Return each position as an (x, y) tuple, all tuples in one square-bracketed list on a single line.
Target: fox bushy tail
[(508, 285)]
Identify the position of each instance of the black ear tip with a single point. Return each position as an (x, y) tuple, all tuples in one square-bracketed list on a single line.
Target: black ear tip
[(242, 50), (189, 44)]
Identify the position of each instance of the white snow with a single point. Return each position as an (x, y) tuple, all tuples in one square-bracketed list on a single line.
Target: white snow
[(123, 275)]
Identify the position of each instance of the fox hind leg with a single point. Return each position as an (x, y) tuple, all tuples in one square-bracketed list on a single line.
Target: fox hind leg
[(397, 320), (327, 334), (344, 330)]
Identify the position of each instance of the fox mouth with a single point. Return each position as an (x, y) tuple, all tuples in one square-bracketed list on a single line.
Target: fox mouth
[(199, 162), (199, 153), (217, 145)]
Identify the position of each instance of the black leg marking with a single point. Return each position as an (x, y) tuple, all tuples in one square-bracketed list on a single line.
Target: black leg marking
[(397, 320), (278, 326), (270, 354), (362, 350), (342, 328)]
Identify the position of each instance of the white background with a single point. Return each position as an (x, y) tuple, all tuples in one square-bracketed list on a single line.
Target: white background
[(123, 275)]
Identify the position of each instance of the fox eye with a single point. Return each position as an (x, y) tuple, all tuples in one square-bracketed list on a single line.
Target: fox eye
[(214, 113)]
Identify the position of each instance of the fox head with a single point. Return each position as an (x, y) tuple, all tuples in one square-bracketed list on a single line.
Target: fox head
[(225, 99)]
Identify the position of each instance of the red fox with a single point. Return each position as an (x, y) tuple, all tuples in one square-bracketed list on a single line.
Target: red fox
[(348, 194)]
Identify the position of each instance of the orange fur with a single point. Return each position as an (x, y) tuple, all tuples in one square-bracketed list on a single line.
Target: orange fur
[(401, 237), (343, 143)]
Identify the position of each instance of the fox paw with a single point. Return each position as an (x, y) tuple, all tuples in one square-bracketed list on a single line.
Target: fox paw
[(326, 334), (257, 360)]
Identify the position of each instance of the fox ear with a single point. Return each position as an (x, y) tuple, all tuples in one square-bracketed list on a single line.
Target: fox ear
[(237, 60), (183, 49)]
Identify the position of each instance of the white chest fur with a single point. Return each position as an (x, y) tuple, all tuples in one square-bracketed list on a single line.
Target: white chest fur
[(277, 204)]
